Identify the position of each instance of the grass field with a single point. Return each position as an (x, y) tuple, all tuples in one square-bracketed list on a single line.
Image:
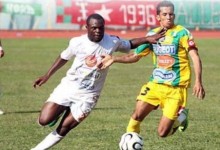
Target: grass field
[(27, 59)]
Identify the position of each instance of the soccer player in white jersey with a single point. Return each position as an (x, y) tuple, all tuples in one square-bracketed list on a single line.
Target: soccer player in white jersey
[(1, 55), (79, 90)]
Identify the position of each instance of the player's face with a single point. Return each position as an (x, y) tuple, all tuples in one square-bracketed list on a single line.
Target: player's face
[(95, 30), (166, 17)]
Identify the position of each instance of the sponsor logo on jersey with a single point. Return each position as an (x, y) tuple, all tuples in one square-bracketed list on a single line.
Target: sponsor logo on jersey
[(87, 78), (164, 75), (164, 49), (165, 61), (174, 34), (87, 84), (91, 61)]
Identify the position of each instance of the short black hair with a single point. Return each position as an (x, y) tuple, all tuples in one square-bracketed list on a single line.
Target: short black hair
[(95, 16), (164, 4)]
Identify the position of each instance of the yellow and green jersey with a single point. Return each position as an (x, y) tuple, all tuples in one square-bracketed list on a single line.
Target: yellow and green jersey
[(170, 56)]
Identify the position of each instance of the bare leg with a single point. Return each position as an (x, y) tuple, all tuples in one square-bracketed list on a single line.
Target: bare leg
[(49, 112), (165, 126), (67, 123), (142, 110)]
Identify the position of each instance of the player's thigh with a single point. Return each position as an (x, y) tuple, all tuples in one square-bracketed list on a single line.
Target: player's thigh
[(67, 123), (142, 109), (150, 93), (77, 112), (147, 100), (50, 111)]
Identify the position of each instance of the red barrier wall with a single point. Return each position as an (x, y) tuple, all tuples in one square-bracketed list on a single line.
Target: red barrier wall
[(73, 33)]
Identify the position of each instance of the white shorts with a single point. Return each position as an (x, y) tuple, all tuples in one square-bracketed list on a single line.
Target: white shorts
[(81, 104)]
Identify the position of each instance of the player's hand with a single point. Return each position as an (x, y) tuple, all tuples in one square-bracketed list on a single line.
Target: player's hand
[(106, 61), (2, 53), (198, 91), (154, 38), (41, 80)]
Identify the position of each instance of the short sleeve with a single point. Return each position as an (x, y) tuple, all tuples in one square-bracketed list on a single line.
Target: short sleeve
[(124, 46), (69, 52), (143, 50), (187, 41)]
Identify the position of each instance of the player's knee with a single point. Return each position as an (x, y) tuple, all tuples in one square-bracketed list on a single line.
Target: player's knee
[(162, 132), (42, 121)]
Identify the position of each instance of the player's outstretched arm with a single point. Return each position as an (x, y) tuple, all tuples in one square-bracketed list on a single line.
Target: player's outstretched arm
[(198, 89), (152, 39), (108, 60), (127, 58), (56, 65)]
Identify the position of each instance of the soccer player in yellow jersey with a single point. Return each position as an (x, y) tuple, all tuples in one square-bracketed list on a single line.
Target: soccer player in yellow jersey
[(167, 87)]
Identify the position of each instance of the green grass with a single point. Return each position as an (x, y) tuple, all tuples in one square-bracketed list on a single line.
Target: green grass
[(27, 59)]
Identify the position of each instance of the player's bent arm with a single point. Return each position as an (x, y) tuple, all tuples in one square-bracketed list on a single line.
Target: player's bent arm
[(56, 65)]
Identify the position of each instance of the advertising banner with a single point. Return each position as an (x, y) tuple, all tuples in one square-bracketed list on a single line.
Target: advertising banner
[(118, 14), (21, 8), (138, 13)]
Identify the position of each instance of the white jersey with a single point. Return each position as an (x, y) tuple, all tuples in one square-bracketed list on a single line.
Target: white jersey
[(83, 75)]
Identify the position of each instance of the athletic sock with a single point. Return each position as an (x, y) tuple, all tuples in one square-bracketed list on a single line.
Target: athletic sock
[(133, 126), (50, 140), (184, 124), (182, 117)]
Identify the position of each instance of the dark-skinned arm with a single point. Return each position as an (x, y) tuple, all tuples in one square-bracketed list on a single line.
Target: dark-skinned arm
[(152, 39), (56, 65), (108, 60), (127, 58)]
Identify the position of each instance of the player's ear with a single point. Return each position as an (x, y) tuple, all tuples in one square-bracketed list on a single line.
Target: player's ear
[(158, 18)]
